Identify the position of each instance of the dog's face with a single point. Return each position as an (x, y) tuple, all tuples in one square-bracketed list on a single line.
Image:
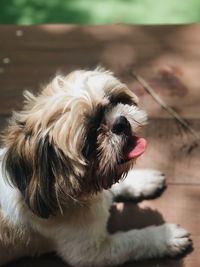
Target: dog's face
[(74, 139)]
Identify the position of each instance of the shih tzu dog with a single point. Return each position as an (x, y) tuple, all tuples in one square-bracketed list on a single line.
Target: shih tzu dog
[(64, 161)]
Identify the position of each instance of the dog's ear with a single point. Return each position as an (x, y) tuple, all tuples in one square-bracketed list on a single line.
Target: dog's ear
[(31, 167), (40, 193)]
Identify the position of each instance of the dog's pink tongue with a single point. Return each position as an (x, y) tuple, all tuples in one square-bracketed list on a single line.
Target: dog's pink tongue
[(139, 148)]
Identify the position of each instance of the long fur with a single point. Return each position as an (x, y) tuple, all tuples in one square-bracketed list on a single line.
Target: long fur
[(60, 154)]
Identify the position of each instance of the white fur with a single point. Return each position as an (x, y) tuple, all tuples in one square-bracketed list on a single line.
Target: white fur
[(86, 242), (140, 116), (140, 184), (79, 235)]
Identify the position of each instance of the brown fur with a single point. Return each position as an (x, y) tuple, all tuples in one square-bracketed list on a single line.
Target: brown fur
[(18, 241), (49, 146)]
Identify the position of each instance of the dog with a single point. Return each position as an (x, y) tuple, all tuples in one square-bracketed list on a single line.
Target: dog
[(64, 160)]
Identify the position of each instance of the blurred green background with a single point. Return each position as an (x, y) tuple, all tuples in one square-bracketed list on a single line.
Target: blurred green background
[(99, 11)]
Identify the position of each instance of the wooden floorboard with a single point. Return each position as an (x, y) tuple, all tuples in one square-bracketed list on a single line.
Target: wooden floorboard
[(178, 204), (172, 151), (169, 150), (168, 57)]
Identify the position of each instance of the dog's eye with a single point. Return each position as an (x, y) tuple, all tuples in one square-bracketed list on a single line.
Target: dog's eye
[(121, 98), (94, 123)]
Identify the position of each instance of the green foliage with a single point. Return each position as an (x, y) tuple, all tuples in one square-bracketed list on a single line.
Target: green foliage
[(99, 11)]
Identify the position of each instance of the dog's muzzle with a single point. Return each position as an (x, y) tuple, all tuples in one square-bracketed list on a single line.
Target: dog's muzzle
[(134, 145)]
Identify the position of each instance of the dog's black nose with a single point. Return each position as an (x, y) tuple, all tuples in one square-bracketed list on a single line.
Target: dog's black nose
[(121, 126)]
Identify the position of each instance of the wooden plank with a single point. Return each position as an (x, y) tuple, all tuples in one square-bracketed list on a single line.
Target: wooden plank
[(178, 204), (166, 56), (172, 151), (168, 150)]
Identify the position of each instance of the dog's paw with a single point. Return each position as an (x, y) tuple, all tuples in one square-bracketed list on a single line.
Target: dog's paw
[(144, 183), (176, 240)]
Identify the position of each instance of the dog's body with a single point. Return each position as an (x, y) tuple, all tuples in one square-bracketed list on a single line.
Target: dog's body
[(58, 181)]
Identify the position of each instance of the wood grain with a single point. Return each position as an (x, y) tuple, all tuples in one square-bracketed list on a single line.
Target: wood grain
[(173, 152), (168, 58), (177, 205)]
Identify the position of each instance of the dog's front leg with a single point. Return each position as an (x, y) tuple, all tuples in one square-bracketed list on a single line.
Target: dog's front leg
[(139, 184), (86, 248)]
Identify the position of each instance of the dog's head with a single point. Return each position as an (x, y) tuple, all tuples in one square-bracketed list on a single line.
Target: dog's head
[(74, 139)]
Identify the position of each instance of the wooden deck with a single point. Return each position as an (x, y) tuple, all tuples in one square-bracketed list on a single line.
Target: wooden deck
[(168, 57)]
